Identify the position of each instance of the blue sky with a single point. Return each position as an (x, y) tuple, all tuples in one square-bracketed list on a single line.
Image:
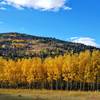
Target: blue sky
[(73, 20)]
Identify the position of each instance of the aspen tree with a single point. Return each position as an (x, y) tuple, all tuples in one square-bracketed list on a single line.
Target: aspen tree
[(96, 68)]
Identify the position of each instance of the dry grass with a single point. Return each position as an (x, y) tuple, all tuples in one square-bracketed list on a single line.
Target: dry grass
[(18, 94)]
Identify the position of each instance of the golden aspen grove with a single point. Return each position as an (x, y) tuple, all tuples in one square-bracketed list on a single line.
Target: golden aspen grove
[(71, 71)]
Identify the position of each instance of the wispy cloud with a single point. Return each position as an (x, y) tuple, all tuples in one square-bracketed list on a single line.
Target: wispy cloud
[(38, 4), (2, 8), (85, 40)]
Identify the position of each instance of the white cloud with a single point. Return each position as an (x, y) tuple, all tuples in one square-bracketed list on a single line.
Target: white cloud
[(38, 4), (2, 8), (85, 40), (67, 8)]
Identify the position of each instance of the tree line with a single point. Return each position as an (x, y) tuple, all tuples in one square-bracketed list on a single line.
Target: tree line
[(72, 71)]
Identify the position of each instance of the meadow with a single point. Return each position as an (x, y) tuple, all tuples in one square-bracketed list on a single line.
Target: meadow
[(25, 94)]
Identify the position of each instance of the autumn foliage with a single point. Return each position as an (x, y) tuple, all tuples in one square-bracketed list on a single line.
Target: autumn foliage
[(71, 71)]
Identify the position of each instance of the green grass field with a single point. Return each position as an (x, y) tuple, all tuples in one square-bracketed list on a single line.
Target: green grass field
[(17, 94)]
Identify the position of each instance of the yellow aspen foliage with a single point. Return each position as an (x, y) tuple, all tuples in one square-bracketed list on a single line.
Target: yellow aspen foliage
[(82, 65), (88, 67), (2, 66), (35, 71), (9, 71), (68, 71), (25, 67), (96, 65)]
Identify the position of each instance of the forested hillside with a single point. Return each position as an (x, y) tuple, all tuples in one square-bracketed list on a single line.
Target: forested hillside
[(47, 63), (16, 45)]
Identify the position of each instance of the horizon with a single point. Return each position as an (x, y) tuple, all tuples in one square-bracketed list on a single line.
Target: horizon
[(68, 20)]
